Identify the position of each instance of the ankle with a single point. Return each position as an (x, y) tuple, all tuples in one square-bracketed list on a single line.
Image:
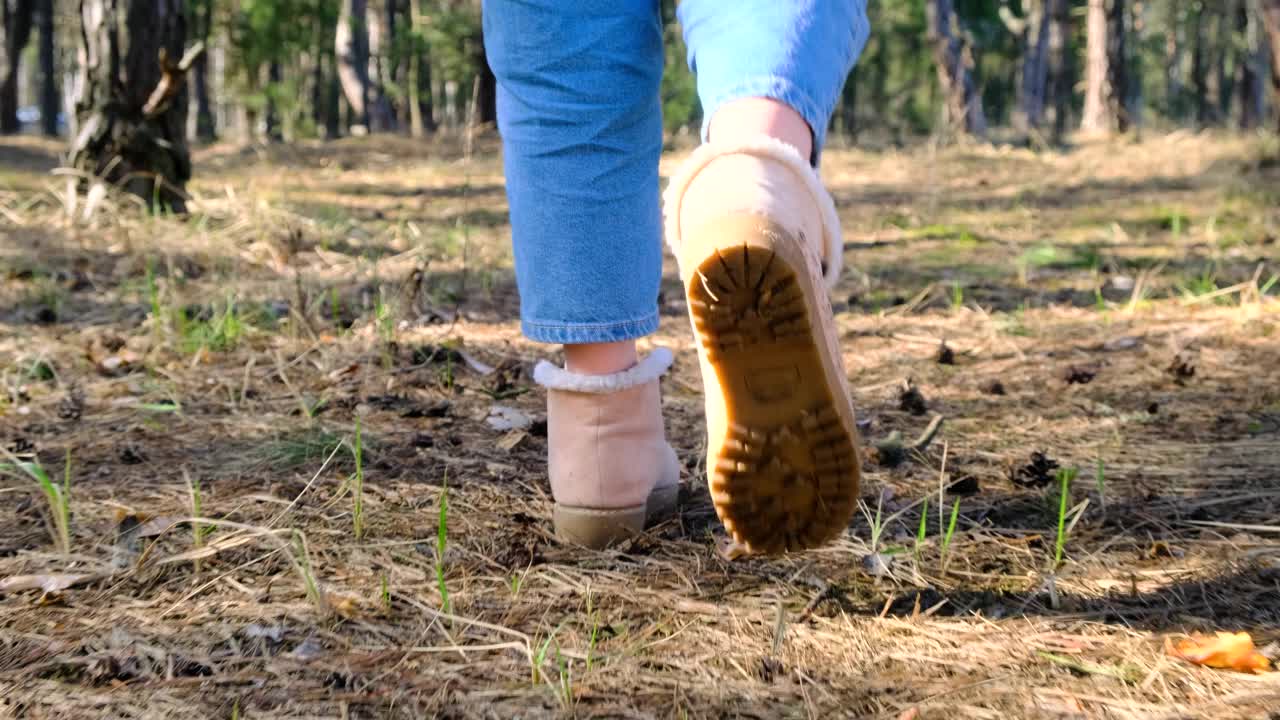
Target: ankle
[(600, 358), (749, 118)]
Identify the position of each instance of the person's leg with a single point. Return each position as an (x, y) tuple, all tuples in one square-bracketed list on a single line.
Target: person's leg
[(581, 125), (757, 238)]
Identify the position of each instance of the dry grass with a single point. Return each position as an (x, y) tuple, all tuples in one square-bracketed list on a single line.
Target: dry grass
[(1118, 294)]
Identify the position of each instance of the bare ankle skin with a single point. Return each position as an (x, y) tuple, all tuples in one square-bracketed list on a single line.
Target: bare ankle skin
[(752, 117), (600, 358)]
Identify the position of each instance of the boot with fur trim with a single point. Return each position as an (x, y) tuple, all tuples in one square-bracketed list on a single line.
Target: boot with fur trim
[(758, 241), (612, 471)]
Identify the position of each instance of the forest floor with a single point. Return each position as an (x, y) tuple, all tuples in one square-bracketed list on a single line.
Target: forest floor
[(329, 341)]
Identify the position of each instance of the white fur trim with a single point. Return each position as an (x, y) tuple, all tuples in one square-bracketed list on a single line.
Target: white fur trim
[(554, 377), (772, 149)]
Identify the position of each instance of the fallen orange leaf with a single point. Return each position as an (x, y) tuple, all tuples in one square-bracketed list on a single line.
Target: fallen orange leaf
[(1230, 651)]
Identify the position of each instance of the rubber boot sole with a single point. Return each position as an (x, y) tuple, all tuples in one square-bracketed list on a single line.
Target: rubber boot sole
[(785, 476)]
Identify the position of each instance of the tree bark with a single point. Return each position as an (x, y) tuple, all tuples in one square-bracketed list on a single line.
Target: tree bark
[(316, 88), (419, 81), (849, 107), (16, 19), (275, 76), (1118, 64), (332, 101), (50, 98), (1224, 79), (1271, 16), (381, 113), (206, 127), (1094, 118), (1174, 48), (962, 101), (1033, 81), (1200, 67), (1106, 100), (1061, 67), (393, 65), (351, 47), (1250, 84), (132, 106), (1135, 101)]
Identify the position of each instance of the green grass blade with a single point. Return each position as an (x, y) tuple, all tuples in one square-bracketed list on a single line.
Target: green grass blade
[(442, 538), (924, 522), (1064, 478)]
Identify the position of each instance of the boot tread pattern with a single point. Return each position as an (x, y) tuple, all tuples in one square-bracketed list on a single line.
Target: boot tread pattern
[(785, 477)]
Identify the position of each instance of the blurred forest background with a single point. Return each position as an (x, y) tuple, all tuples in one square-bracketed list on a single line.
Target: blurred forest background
[(281, 70)]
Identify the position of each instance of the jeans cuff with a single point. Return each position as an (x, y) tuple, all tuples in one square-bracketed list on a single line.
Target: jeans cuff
[(782, 90), (579, 333)]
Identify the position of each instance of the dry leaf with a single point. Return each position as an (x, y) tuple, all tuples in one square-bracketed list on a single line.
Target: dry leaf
[(343, 371), (1229, 651), (209, 550), (511, 439), (47, 583)]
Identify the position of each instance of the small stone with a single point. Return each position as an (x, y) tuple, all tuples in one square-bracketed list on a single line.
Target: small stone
[(876, 564)]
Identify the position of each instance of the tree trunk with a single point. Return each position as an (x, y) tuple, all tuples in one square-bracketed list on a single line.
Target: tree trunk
[(1061, 67), (50, 98), (849, 107), (1271, 15), (393, 63), (332, 101), (1135, 101), (1200, 66), (206, 128), (381, 115), (416, 127), (352, 49), (132, 106), (16, 18), (275, 76), (1118, 64), (1224, 79), (962, 101), (317, 89), (1174, 49), (1249, 71), (1094, 118), (1033, 82)]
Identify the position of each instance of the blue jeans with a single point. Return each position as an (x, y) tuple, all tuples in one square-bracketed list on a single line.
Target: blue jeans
[(581, 125)]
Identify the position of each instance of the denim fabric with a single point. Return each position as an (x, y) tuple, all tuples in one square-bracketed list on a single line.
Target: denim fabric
[(797, 52), (581, 125)]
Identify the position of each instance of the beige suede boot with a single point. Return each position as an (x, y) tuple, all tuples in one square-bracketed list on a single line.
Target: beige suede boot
[(753, 229), (612, 471)]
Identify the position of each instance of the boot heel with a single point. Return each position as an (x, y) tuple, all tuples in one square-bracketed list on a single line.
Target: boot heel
[(597, 528)]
